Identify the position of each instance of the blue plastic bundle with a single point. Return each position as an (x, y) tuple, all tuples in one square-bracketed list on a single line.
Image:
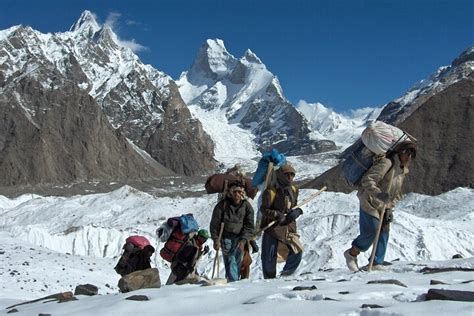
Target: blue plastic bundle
[(274, 156)]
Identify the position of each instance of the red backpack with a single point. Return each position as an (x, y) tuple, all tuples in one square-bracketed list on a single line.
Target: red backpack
[(173, 245)]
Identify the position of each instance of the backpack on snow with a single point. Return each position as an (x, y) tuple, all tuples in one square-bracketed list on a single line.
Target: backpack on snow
[(378, 139), (136, 255), (180, 230)]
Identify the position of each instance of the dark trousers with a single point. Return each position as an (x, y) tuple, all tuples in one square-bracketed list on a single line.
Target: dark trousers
[(269, 258), (368, 226)]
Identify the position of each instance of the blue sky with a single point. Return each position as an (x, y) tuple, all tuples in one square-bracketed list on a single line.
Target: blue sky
[(344, 54)]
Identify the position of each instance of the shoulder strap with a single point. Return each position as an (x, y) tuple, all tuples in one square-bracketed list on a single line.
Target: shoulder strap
[(272, 192)]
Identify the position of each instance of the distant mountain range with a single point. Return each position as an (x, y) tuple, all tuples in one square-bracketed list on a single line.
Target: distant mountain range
[(78, 106), (244, 92), (439, 112)]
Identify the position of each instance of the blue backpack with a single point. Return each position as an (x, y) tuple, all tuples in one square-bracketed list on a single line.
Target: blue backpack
[(188, 224), (357, 164)]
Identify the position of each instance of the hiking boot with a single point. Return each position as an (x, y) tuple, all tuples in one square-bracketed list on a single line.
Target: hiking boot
[(351, 261), (375, 267), (285, 273)]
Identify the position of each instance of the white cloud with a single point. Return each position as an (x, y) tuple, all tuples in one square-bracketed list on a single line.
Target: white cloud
[(112, 21), (133, 45)]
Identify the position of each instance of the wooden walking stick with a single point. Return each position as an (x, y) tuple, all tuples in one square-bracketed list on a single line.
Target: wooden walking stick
[(309, 198), (216, 259), (379, 229)]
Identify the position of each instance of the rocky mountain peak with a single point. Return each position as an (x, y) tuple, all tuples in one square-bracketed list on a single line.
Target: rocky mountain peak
[(466, 56), (106, 37), (86, 23), (212, 60), (137, 99), (251, 57)]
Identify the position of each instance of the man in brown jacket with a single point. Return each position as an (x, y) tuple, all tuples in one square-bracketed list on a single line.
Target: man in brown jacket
[(277, 205), (380, 187)]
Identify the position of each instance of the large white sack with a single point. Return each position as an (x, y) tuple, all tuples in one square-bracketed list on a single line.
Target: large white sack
[(379, 137)]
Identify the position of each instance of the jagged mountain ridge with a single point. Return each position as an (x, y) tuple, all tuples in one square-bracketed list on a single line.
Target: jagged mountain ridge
[(247, 94), (139, 101), (343, 129), (439, 112)]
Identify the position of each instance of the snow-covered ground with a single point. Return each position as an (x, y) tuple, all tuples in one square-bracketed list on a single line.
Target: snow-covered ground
[(51, 244)]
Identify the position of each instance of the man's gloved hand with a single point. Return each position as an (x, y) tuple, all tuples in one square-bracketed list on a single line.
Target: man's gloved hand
[(216, 245), (205, 250), (280, 218), (388, 216), (254, 246), (293, 214), (383, 196)]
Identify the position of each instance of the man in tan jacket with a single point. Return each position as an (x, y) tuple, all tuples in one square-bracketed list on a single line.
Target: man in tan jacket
[(278, 206), (380, 187)]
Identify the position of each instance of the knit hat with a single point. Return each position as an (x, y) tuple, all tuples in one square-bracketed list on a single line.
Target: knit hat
[(204, 234), (287, 168)]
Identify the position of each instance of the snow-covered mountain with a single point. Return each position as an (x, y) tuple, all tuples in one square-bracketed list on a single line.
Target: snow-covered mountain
[(343, 129), (244, 93), (140, 102), (461, 68)]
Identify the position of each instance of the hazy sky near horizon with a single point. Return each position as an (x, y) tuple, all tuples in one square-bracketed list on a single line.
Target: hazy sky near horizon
[(345, 54)]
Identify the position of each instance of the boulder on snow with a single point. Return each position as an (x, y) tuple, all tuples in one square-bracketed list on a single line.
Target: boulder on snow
[(304, 288), (450, 295), (390, 281), (457, 256), (429, 270), (86, 289), (370, 306), (436, 282), (138, 298), (149, 278)]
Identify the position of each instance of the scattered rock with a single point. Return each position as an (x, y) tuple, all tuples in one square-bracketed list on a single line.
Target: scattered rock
[(2, 252), (436, 282), (319, 279), (12, 311), (41, 314), (465, 282), (138, 298), (428, 270), (342, 280), (329, 299), (390, 281), (67, 299), (304, 288), (344, 292), (457, 256), (450, 295), (149, 278), (370, 306), (86, 289)]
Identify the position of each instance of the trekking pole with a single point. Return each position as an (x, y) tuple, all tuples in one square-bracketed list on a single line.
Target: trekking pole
[(216, 260), (309, 198), (379, 229)]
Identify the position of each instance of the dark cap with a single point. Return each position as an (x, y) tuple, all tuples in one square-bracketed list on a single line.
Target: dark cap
[(407, 147)]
